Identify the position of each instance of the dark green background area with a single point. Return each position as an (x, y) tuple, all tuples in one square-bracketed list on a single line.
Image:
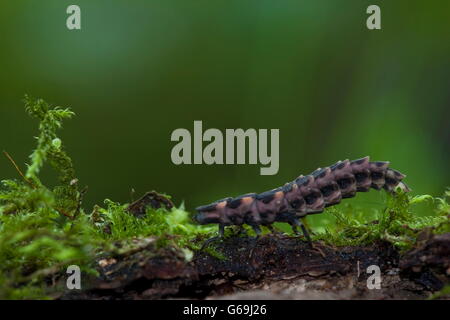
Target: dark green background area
[(140, 69)]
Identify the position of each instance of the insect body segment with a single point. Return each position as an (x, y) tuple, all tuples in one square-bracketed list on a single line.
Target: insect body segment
[(305, 195)]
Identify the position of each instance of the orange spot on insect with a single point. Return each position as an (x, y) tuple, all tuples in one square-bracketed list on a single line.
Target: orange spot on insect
[(221, 205), (279, 194), (247, 200)]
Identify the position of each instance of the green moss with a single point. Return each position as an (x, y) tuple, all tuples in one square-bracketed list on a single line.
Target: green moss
[(396, 223), (172, 227), (35, 244), (40, 230), (444, 293), (43, 230)]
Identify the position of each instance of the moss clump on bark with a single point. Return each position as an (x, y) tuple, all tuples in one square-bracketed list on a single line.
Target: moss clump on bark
[(396, 223)]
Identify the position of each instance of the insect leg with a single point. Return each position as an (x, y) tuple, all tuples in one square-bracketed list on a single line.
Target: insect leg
[(213, 239), (298, 223), (221, 230), (257, 230), (291, 219), (294, 228), (294, 221), (240, 230), (273, 230), (305, 223), (308, 237)]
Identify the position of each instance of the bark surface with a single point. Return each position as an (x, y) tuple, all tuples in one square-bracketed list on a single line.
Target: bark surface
[(273, 267)]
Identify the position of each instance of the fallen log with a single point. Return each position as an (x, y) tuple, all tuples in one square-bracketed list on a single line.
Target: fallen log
[(274, 267)]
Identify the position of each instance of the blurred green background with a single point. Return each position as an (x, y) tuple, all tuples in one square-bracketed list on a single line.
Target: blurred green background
[(140, 69)]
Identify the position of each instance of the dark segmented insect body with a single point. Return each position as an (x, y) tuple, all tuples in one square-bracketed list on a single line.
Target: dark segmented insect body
[(305, 195)]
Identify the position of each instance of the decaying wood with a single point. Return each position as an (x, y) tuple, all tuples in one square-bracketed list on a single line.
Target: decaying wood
[(274, 267)]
